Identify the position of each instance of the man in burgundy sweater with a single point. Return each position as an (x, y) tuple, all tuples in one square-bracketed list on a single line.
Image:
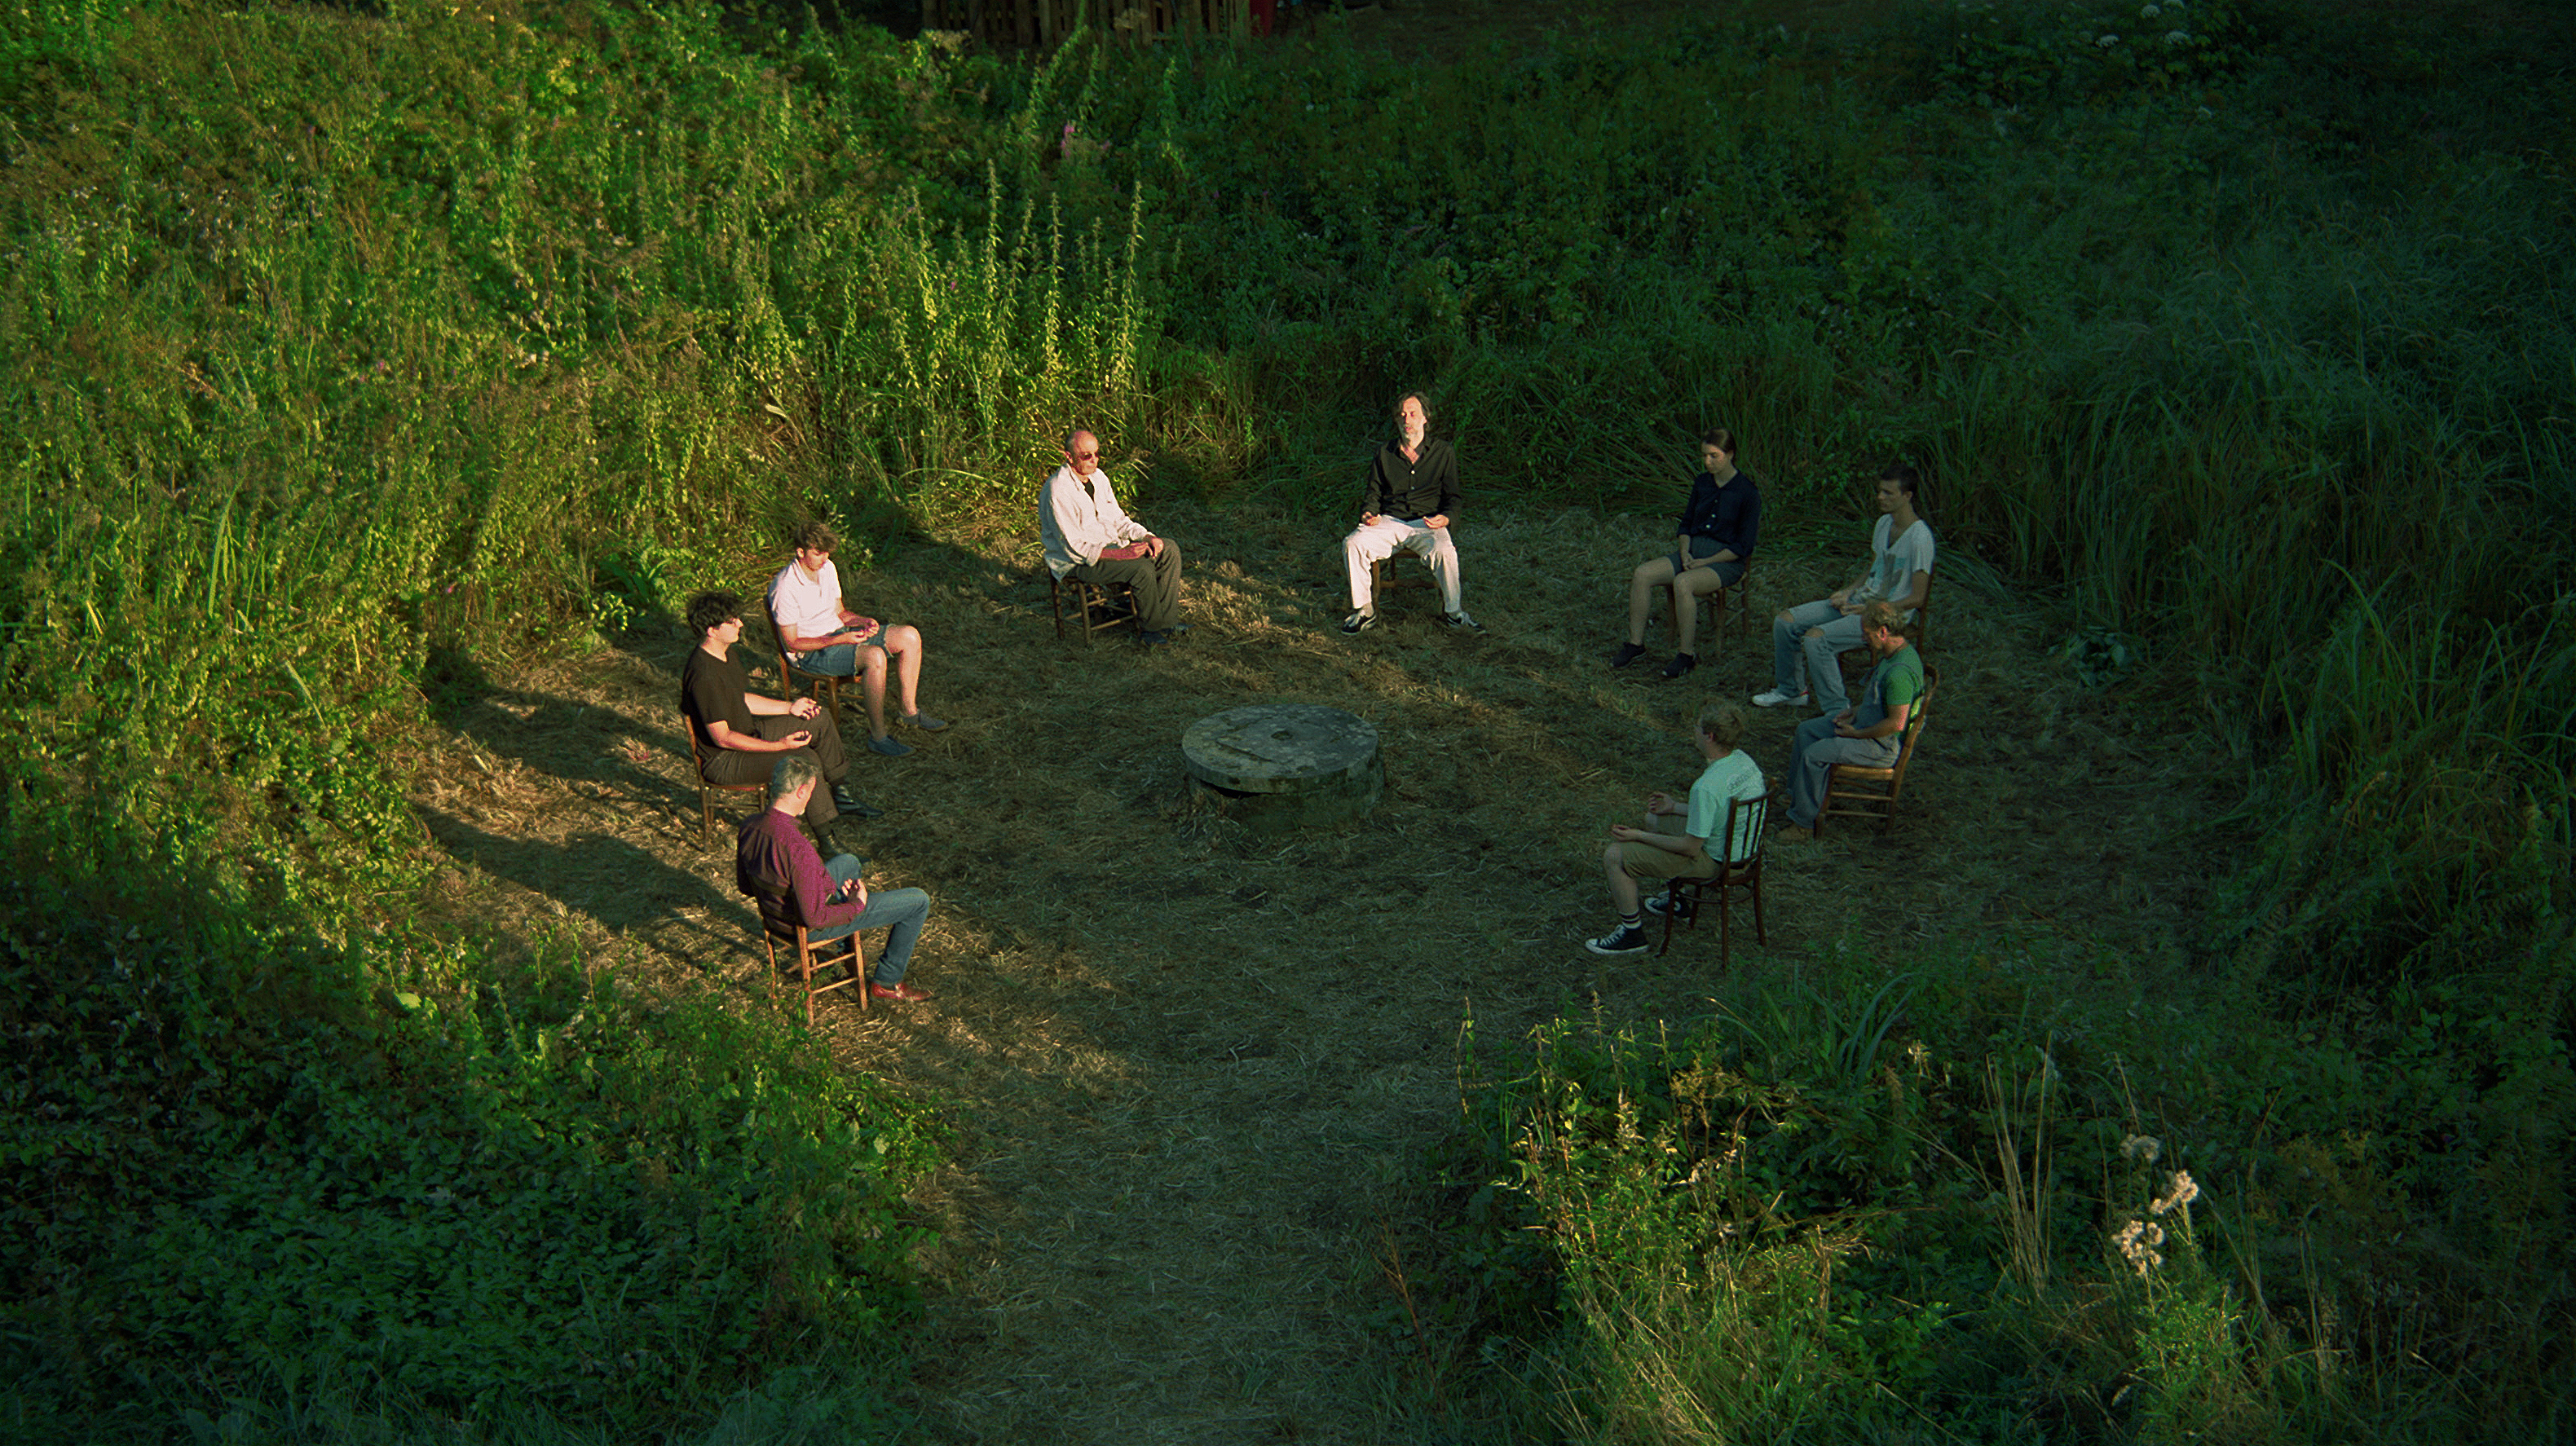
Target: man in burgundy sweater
[(775, 865)]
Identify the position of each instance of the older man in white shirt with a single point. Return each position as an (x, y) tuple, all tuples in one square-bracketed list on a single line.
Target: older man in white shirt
[(1091, 539)]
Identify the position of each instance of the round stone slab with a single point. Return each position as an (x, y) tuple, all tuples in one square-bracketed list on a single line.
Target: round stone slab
[(1286, 765)]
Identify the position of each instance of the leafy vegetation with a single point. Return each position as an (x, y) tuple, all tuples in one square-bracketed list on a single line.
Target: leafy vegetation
[(1960, 1199), (341, 339)]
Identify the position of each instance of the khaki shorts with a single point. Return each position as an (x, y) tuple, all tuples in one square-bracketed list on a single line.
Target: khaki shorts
[(1645, 861)]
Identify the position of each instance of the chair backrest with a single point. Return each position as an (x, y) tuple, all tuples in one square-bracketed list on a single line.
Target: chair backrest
[(1744, 819), (697, 743)]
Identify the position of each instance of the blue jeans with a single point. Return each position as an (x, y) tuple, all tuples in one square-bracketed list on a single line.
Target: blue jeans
[(1803, 664), (900, 912)]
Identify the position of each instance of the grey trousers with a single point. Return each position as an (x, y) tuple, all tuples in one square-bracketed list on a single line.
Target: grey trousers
[(1818, 750)]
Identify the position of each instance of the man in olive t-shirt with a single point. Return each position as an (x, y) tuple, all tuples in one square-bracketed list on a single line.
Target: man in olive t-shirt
[(741, 733)]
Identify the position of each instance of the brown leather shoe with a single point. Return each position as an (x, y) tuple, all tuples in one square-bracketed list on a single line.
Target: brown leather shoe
[(899, 994)]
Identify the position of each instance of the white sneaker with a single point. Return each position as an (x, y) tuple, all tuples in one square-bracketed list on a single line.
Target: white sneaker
[(1779, 697)]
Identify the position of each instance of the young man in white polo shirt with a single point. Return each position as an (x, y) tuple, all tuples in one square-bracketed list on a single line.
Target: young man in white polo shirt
[(822, 636)]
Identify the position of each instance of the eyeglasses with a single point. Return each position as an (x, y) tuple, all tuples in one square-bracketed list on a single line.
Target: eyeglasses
[(1086, 456)]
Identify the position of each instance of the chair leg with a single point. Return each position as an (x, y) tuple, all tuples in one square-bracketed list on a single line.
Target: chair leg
[(1725, 921), (1761, 935), (706, 815)]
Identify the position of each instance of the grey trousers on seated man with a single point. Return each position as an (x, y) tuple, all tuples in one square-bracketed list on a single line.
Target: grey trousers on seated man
[(1156, 581)]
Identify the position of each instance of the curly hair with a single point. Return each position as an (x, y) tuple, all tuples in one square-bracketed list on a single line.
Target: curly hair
[(709, 611)]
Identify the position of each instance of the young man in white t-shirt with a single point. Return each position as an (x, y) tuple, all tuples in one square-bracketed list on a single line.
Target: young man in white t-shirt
[(1808, 640), (1657, 851), (821, 636)]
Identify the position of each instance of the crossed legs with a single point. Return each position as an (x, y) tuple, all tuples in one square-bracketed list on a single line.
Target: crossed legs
[(1806, 644)]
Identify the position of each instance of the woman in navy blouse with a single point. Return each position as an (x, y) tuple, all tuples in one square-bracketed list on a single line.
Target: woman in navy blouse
[(1716, 534)]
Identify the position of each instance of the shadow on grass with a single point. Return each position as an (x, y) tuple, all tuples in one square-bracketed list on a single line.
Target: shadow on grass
[(617, 883)]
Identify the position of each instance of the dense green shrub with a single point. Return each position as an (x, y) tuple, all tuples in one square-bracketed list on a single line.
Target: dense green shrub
[(243, 1159), (1850, 1203)]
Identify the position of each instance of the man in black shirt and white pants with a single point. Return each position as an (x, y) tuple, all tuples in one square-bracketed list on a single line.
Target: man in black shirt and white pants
[(1412, 495)]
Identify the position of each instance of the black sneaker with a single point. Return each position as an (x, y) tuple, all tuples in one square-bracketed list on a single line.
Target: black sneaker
[(1628, 653), (1663, 904), (1359, 622), (1622, 940), (1680, 666), (850, 803)]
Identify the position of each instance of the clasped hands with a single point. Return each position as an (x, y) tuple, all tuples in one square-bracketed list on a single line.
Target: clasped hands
[(1657, 804)]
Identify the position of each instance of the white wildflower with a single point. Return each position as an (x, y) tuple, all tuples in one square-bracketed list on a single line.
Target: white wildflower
[(2148, 12), (2141, 1146), (2138, 1241), (2177, 37), (2107, 41), (2183, 1193)]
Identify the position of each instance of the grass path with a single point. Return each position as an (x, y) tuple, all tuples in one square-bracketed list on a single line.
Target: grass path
[(1194, 1072)]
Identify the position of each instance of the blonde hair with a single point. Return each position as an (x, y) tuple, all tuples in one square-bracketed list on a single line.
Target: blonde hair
[(1722, 722)]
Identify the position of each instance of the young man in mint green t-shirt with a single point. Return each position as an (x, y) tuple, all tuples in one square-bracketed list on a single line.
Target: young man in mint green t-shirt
[(1658, 851)]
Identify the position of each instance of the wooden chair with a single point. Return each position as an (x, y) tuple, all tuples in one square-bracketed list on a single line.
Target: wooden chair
[(826, 687), (1717, 604), (1866, 792), (1744, 818), (775, 932), (1115, 602), (707, 788)]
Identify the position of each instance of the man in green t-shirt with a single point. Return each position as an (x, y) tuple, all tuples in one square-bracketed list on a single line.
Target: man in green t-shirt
[(1868, 734), (1658, 851)]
